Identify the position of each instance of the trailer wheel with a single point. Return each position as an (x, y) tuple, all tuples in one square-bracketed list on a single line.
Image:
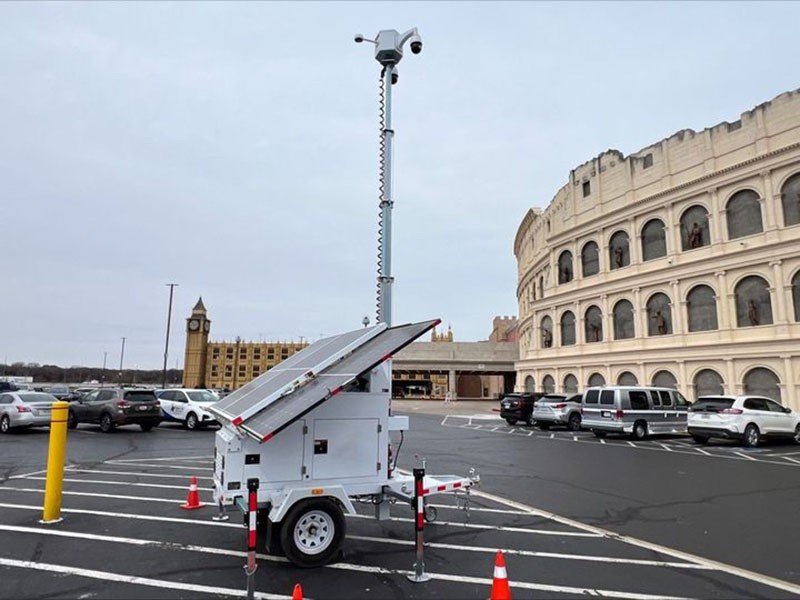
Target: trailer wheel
[(313, 532), (430, 513)]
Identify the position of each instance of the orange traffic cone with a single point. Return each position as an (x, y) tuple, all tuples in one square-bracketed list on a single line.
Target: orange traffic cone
[(500, 588), (193, 499), (297, 593)]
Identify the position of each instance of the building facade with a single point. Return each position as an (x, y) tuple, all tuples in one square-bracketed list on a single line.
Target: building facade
[(226, 365), (677, 265)]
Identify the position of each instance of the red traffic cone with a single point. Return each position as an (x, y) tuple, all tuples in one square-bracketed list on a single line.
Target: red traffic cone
[(500, 587), (193, 499), (297, 593)]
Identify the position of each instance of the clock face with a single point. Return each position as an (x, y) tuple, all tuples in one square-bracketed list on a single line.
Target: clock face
[(194, 325), (206, 326)]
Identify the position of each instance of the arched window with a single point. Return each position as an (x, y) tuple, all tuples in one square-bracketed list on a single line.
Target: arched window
[(571, 384), (619, 253), (708, 382), (548, 384), (530, 384), (590, 259), (762, 382), (623, 320), (659, 315), (565, 273), (701, 309), (796, 295), (567, 329), (595, 379), (744, 214), (541, 286), (627, 378), (594, 325), (695, 232), (547, 332), (790, 199), (753, 305), (665, 379), (654, 240)]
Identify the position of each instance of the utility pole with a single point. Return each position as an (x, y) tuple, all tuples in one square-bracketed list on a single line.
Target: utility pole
[(121, 357), (103, 376), (171, 287)]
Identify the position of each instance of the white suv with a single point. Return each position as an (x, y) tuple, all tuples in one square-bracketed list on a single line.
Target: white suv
[(187, 406), (746, 418)]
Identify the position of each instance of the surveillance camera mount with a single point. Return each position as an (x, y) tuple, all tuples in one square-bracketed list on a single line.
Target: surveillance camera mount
[(388, 52)]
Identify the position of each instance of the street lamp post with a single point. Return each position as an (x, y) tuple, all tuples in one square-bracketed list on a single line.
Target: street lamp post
[(388, 52), (103, 375), (171, 287), (121, 357)]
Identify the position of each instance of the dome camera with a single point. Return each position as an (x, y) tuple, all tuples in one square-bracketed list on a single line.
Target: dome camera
[(416, 43), (359, 38)]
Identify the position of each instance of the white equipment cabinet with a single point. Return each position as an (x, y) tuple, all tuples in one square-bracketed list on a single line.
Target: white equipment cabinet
[(315, 433)]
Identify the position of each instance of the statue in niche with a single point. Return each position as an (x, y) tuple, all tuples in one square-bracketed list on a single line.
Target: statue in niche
[(594, 331), (752, 313), (566, 274), (661, 323), (695, 236), (618, 256), (547, 338)]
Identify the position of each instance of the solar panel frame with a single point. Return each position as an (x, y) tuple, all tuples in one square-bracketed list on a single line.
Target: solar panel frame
[(279, 414), (242, 402)]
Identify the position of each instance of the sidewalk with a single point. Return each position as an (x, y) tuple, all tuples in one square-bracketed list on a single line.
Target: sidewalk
[(438, 407)]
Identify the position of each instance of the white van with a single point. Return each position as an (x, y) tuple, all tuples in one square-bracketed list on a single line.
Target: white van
[(635, 410)]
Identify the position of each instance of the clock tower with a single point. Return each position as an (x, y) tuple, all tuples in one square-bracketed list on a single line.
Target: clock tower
[(194, 364)]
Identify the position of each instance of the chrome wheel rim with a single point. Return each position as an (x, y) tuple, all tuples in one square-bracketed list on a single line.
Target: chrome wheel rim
[(752, 436), (314, 532)]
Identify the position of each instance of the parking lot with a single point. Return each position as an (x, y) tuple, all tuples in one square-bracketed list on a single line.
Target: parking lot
[(124, 535)]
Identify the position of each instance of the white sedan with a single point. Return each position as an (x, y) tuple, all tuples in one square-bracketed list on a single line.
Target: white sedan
[(181, 405)]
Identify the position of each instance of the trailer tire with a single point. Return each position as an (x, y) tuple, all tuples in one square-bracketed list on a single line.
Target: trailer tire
[(313, 532)]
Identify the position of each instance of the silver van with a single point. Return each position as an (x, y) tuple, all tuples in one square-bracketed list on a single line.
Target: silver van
[(635, 410)]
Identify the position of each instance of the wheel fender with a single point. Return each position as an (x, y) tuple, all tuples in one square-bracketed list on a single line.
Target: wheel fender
[(291, 497)]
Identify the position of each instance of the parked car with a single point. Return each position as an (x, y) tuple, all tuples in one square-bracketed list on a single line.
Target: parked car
[(8, 386), (112, 407), (187, 406), (635, 410), (518, 406), (61, 392), (746, 418), (558, 409), (24, 409)]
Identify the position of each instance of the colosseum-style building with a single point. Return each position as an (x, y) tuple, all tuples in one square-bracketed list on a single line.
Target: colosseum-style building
[(678, 265)]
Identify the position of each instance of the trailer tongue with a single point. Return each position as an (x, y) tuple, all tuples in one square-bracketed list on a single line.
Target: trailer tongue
[(314, 433)]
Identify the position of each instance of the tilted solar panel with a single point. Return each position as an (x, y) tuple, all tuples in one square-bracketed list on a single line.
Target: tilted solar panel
[(282, 412)]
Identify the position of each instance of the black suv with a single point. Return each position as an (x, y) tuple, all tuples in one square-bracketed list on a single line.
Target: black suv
[(518, 407), (111, 407), (8, 386)]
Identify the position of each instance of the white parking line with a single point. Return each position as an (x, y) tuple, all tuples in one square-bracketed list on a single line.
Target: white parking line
[(24, 475), (135, 473), (794, 460), (665, 447), (91, 494), (533, 553), (127, 483), (132, 579), (172, 458), (744, 456), (713, 564), (160, 466)]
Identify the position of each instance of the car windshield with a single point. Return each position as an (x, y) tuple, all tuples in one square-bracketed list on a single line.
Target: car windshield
[(711, 404), (37, 398), (202, 396), (140, 396)]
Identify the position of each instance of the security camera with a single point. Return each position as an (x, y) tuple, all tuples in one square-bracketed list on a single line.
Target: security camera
[(359, 37), (395, 76), (416, 43)]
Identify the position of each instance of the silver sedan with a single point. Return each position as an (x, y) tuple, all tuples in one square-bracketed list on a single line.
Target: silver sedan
[(24, 409)]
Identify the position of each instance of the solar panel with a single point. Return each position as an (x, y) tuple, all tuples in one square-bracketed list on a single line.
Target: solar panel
[(289, 373), (281, 412)]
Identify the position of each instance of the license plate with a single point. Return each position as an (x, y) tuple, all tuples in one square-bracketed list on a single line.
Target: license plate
[(144, 408), (606, 414)]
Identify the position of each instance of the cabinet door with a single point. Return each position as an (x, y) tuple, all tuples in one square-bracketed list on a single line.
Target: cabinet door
[(345, 448)]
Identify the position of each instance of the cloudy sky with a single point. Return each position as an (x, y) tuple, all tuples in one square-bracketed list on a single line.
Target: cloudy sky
[(232, 148)]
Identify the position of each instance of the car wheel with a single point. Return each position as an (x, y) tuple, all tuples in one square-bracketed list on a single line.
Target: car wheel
[(511, 421), (312, 532), (700, 439), (797, 435), (543, 426), (639, 430), (752, 436), (191, 421), (5, 424), (600, 434), (529, 421), (574, 423), (106, 423), (72, 420)]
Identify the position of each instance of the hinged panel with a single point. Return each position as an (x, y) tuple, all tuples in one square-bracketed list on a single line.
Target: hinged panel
[(351, 446)]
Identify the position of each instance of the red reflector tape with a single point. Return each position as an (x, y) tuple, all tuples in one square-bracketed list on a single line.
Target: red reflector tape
[(441, 488), (238, 421), (425, 492), (267, 437), (420, 520), (457, 485), (251, 539), (336, 391)]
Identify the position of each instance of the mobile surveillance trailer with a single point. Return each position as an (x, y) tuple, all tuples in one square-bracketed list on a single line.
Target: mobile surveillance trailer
[(313, 432)]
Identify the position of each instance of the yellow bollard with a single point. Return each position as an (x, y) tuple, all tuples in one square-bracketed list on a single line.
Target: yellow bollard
[(55, 462)]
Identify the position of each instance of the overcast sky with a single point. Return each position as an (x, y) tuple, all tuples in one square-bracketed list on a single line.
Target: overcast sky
[(232, 148)]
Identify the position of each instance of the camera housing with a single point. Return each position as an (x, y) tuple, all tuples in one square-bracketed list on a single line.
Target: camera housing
[(416, 43), (359, 38)]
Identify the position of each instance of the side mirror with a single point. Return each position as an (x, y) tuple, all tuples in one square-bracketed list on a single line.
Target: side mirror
[(787, 410)]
